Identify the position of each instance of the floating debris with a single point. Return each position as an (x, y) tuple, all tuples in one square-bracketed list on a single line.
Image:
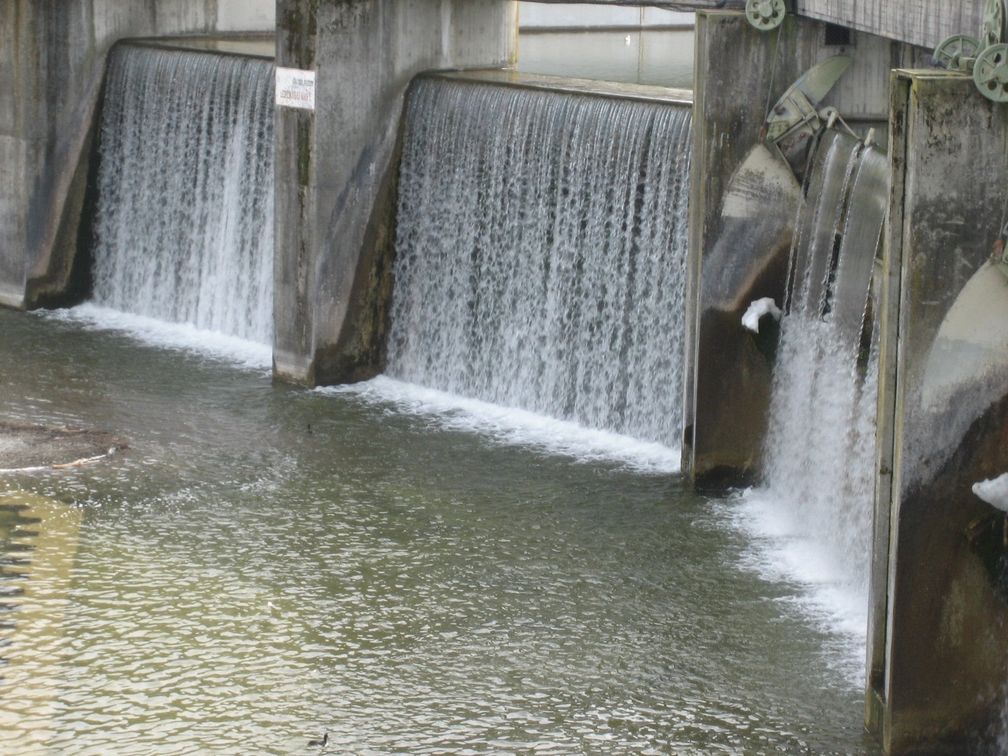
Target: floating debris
[(39, 448)]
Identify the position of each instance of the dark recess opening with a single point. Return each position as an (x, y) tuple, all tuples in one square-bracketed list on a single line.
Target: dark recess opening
[(837, 36)]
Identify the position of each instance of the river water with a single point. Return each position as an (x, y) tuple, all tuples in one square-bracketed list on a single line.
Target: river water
[(265, 563)]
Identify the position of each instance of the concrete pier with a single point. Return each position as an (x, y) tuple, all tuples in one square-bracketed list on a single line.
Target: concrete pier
[(53, 56), (938, 657), (336, 166)]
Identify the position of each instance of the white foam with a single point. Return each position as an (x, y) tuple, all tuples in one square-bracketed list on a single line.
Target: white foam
[(510, 426), (994, 492), (756, 311), (184, 336), (820, 588)]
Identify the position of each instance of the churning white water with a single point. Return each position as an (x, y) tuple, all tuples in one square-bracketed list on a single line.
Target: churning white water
[(184, 227), (541, 254), (813, 512)]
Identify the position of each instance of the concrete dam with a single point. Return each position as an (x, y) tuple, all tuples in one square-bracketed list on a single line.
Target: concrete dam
[(370, 376)]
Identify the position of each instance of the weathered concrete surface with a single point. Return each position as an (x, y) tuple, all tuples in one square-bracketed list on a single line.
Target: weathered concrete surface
[(731, 263), (938, 656), (336, 167), (52, 58)]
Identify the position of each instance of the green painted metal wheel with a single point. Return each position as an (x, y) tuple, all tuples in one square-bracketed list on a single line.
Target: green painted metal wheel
[(993, 27), (952, 50), (990, 73), (766, 14)]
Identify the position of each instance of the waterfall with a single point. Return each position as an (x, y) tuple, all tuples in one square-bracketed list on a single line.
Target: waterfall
[(184, 226), (819, 452), (541, 253)]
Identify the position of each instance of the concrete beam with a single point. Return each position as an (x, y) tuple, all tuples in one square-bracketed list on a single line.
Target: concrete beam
[(336, 167), (544, 17), (678, 5), (924, 23), (938, 661), (731, 263), (917, 22)]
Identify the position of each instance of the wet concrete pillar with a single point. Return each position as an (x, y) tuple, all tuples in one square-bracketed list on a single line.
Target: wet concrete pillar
[(938, 635), (20, 69), (743, 204), (336, 165)]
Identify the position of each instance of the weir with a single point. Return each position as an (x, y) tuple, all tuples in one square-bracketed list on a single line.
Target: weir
[(587, 253), (540, 254), (184, 222)]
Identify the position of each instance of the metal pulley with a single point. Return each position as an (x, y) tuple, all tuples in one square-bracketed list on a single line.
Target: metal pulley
[(765, 15), (957, 53), (990, 73), (993, 25), (986, 58)]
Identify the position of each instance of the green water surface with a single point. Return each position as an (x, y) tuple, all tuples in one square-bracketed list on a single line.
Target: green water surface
[(265, 563)]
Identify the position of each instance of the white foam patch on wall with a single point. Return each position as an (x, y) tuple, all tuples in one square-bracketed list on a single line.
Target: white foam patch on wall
[(757, 310), (994, 491)]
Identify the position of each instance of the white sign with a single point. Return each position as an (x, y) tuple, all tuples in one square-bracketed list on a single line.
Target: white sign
[(295, 88)]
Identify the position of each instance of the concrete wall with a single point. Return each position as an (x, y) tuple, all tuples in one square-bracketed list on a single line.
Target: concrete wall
[(245, 15), (938, 660), (728, 377), (336, 167), (53, 54), (579, 15)]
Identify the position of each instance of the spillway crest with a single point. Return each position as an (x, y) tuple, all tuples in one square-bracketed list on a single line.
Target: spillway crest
[(184, 225), (541, 253)]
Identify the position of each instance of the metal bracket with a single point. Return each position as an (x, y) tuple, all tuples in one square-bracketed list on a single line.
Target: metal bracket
[(796, 118)]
